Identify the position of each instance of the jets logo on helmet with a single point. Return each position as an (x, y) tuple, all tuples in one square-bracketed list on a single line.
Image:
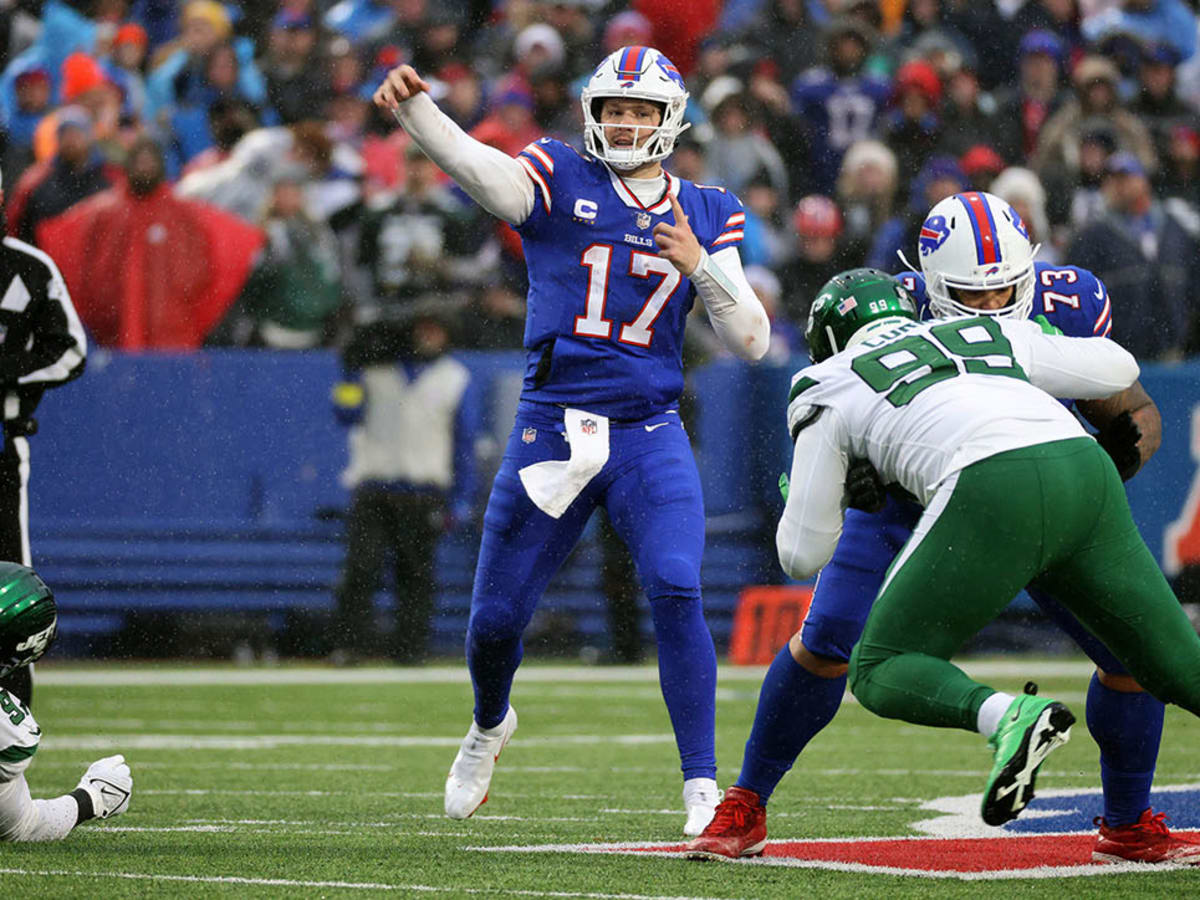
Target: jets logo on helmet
[(28, 616), (974, 241), (636, 73), (853, 305)]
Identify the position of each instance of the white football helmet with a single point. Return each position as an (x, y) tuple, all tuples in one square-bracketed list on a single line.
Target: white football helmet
[(640, 73), (975, 241)]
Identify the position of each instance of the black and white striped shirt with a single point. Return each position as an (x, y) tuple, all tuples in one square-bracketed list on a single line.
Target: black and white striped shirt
[(42, 342)]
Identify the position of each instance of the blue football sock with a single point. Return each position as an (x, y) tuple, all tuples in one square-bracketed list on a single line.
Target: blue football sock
[(687, 674), (1128, 728), (793, 706), (492, 665)]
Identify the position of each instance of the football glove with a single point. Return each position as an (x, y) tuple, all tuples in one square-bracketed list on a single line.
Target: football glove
[(1047, 328), (109, 783), (864, 488), (1120, 441)]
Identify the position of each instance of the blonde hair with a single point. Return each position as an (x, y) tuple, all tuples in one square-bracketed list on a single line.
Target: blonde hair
[(212, 12)]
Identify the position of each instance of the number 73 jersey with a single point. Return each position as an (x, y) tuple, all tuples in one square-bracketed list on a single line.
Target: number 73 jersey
[(926, 399), (605, 317), (1072, 299)]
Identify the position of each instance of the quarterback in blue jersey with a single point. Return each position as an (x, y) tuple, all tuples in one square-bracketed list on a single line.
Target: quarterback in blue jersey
[(617, 251), (975, 258)]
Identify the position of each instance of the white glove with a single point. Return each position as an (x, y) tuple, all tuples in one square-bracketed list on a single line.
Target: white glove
[(109, 783)]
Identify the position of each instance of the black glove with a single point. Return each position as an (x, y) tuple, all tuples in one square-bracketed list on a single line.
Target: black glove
[(864, 487), (1120, 440)]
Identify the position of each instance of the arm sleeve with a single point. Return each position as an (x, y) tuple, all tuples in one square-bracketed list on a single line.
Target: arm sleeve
[(1079, 368), (736, 314), (494, 180), (811, 524), (24, 819)]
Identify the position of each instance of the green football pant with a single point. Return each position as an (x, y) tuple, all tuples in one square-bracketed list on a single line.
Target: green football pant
[(1054, 514)]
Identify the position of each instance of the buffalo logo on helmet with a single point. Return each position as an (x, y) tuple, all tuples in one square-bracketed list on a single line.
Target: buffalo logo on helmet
[(1018, 223), (933, 234), (669, 68)]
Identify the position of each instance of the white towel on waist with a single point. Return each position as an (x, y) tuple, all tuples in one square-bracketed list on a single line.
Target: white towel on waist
[(553, 485)]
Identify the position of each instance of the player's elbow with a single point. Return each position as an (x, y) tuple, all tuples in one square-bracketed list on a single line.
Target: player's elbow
[(752, 345), (802, 553), (1129, 370)]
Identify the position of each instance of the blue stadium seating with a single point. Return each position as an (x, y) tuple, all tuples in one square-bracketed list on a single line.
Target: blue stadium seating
[(194, 484), (203, 483)]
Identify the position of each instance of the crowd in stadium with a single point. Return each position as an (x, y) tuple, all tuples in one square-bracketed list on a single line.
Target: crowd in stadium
[(209, 173)]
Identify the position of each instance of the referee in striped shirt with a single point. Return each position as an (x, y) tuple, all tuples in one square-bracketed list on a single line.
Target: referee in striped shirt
[(42, 345)]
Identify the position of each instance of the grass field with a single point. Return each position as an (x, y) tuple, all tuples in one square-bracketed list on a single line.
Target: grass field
[(320, 782)]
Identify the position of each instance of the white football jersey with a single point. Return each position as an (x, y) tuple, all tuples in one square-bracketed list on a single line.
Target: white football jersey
[(923, 400), (19, 736)]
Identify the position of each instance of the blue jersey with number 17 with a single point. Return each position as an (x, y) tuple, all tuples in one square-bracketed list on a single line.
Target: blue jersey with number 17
[(605, 316)]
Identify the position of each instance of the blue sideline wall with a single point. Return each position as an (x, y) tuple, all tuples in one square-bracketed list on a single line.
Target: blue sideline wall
[(194, 483)]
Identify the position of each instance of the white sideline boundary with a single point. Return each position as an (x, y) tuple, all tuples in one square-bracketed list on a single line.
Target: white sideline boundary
[(147, 674)]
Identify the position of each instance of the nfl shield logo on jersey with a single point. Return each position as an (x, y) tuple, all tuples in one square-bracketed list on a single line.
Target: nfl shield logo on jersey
[(643, 220), (529, 435), (588, 426)]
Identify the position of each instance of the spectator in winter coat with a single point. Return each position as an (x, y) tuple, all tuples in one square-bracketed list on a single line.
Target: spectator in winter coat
[(1096, 100), (1147, 253), (74, 173)]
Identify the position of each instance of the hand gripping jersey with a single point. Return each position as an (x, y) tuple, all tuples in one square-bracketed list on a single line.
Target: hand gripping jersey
[(606, 313), (19, 736)]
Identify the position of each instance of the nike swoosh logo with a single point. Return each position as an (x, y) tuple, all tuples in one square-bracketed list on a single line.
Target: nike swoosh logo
[(652, 427)]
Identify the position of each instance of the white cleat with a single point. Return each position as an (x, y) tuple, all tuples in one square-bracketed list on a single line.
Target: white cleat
[(700, 798), (471, 773)]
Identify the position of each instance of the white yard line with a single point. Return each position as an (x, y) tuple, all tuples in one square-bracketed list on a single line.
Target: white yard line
[(275, 741), (345, 885), (116, 674)]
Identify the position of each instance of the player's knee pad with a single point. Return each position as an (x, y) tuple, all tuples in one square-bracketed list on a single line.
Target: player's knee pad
[(830, 637), (673, 575), (494, 620)]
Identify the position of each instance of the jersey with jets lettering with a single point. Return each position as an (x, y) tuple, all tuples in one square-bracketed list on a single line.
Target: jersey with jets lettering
[(606, 313), (19, 736)]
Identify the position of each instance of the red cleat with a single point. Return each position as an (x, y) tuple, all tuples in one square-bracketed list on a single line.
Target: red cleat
[(1147, 840), (738, 828)]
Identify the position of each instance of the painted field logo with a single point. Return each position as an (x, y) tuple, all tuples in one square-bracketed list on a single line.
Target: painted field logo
[(1053, 839)]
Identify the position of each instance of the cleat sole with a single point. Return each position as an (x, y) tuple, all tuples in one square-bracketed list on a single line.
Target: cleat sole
[(1013, 788)]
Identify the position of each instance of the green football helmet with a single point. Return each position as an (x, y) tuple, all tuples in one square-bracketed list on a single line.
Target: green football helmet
[(847, 302), (28, 616)]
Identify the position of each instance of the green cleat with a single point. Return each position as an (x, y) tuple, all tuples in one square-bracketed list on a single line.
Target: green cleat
[(1031, 728)]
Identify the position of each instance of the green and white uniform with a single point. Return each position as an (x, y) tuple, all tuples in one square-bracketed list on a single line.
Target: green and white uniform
[(1014, 490), (21, 817)]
